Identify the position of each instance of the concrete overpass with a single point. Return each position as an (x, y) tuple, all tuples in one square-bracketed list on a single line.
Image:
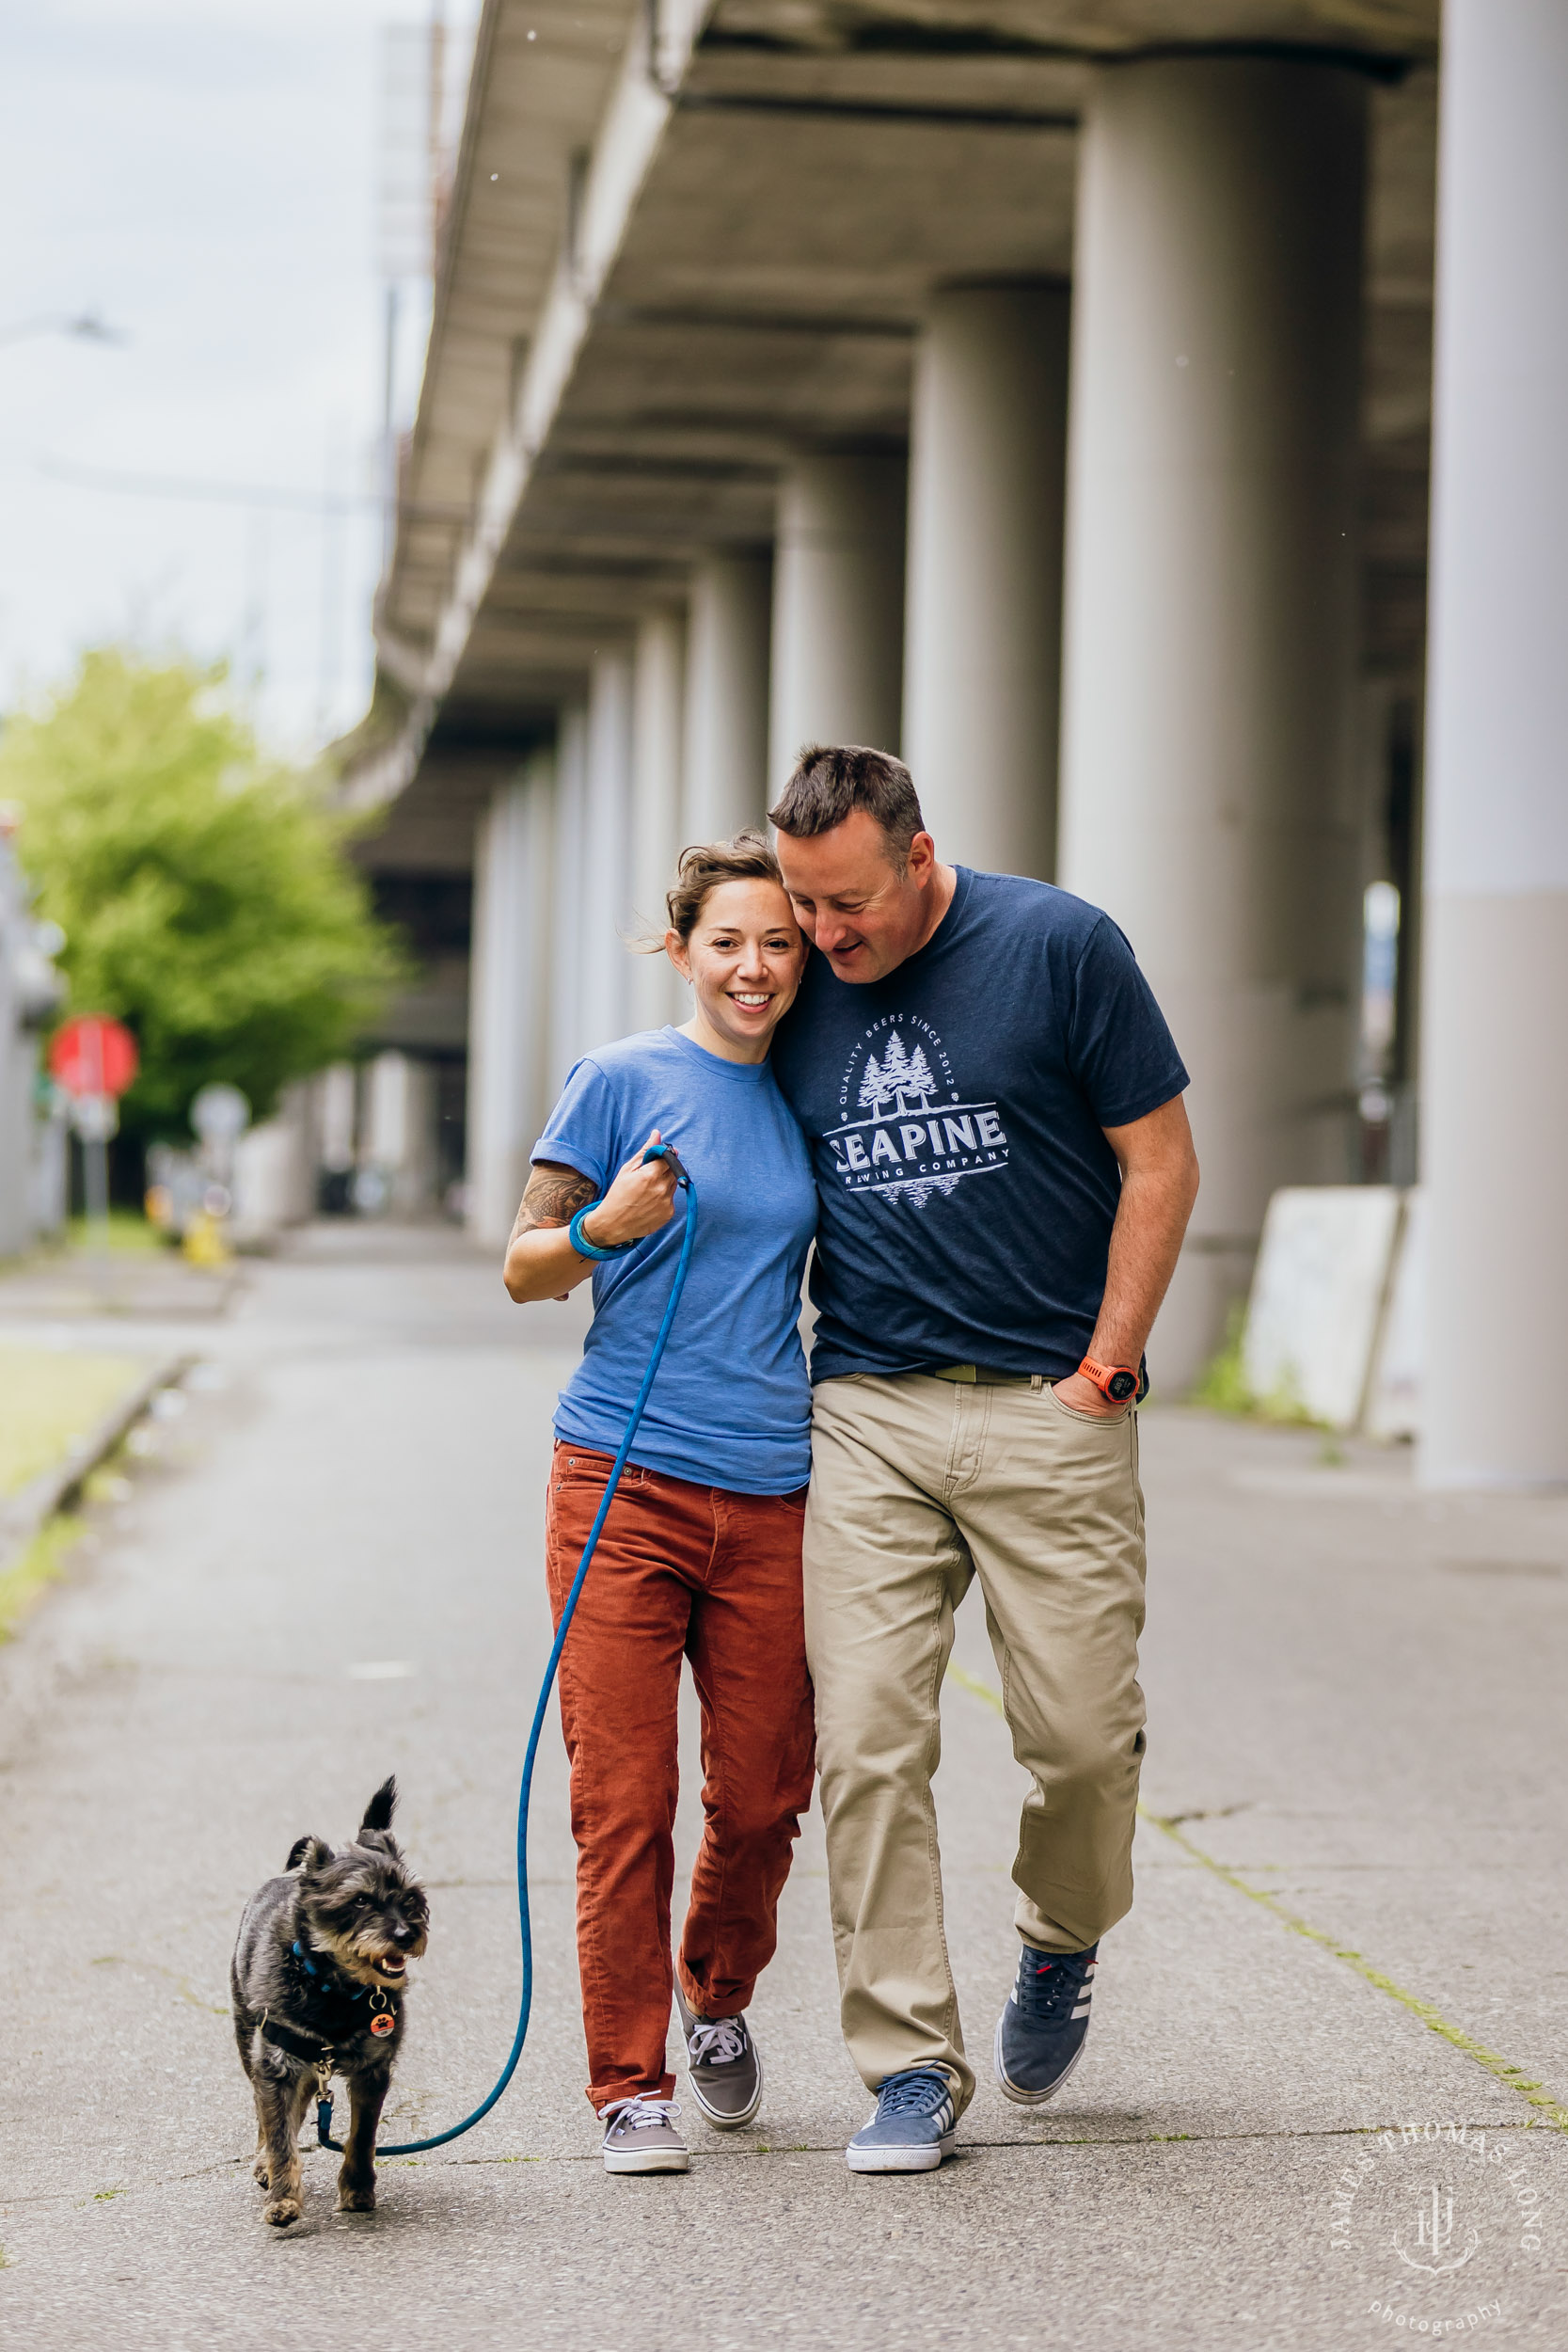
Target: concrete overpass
[(1041, 388)]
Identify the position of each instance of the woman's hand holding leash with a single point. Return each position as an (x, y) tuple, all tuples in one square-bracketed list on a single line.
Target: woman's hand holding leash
[(541, 1258), (641, 1200)]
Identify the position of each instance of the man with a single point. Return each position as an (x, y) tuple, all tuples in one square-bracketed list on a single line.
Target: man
[(1004, 1172)]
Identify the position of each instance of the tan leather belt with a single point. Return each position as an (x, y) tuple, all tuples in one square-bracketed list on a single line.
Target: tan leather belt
[(986, 1376)]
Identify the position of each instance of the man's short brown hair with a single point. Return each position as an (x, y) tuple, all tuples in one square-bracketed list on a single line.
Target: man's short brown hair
[(832, 779)]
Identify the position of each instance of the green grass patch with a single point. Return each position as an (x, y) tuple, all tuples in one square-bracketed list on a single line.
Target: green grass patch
[(23, 1584), (48, 1396), (1223, 1387), (127, 1230)]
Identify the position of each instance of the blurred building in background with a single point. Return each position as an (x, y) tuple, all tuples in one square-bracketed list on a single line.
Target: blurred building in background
[(1042, 389), (32, 1123)]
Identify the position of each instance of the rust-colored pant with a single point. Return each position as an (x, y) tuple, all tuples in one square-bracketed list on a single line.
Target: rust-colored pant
[(680, 1571)]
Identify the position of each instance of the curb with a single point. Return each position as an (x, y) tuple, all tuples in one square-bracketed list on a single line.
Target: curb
[(58, 1645), (23, 1514)]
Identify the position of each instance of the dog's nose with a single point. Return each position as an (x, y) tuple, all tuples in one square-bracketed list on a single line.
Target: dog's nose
[(402, 1933)]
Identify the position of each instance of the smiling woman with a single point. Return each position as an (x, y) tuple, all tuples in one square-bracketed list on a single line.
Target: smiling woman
[(700, 1551)]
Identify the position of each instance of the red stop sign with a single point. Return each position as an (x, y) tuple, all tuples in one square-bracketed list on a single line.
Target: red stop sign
[(93, 1055)]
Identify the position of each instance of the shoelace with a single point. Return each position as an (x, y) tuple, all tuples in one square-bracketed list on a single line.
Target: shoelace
[(643, 2114), (919, 2093), (718, 2041), (1048, 1984)]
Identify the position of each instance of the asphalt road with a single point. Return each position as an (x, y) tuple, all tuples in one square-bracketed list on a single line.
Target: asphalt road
[(1319, 2103)]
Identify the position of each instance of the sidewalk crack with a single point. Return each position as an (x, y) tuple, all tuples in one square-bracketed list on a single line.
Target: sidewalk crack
[(1535, 2094)]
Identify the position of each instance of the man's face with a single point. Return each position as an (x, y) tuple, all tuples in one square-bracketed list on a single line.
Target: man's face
[(851, 899)]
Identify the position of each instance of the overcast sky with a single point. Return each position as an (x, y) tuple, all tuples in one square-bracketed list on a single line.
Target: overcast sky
[(202, 174)]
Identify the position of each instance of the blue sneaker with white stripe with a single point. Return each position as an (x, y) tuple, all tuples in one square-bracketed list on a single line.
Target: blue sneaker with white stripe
[(1042, 2032), (913, 2128)]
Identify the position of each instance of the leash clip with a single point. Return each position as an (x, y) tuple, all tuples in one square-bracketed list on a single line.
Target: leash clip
[(667, 1152)]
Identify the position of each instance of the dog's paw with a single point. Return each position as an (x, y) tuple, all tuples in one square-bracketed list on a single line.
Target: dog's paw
[(261, 2172), (356, 2200), (281, 2212)]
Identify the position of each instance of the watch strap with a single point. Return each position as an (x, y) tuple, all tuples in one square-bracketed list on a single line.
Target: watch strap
[(1102, 1375)]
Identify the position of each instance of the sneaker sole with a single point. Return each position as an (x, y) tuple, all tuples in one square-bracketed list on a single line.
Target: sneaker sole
[(720, 2119), (1029, 2098), (901, 2159), (660, 2160)]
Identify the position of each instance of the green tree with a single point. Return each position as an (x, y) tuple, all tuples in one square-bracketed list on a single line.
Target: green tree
[(202, 889)]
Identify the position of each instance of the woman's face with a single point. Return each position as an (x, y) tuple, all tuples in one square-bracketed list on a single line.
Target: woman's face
[(744, 959)]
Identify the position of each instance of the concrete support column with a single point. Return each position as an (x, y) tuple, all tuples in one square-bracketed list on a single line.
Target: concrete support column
[(1209, 789), (982, 666), (606, 872), (1494, 1078), (509, 985), (567, 1030), (838, 606), (655, 991), (400, 1131), (728, 626)]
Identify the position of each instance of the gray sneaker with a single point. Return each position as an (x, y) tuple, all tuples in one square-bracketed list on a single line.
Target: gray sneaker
[(722, 2066), (641, 2137)]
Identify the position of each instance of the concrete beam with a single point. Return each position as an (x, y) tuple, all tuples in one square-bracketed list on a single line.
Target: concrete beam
[(1494, 1082), (1209, 782), (654, 993), (509, 975), (726, 695), (982, 660), (838, 606)]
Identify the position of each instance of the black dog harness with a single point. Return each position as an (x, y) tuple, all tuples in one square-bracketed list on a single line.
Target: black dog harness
[(317, 2050)]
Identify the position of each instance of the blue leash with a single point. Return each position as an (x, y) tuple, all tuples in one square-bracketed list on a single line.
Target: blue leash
[(323, 2106)]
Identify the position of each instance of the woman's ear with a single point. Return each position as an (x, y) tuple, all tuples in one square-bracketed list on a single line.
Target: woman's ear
[(675, 948)]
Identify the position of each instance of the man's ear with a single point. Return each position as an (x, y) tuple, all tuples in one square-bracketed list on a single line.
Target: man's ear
[(921, 859)]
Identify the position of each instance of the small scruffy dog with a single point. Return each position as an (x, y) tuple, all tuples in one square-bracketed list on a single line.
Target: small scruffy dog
[(317, 1978)]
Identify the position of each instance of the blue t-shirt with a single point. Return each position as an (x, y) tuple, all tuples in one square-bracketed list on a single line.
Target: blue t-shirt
[(954, 1111), (731, 1403)]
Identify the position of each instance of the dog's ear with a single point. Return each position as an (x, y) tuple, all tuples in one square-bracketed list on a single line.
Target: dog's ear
[(307, 1853), (379, 1812)]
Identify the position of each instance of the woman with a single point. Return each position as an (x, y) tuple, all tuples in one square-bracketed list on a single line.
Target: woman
[(701, 1553)]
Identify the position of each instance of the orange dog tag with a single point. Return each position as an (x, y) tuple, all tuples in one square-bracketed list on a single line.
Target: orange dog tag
[(383, 2024)]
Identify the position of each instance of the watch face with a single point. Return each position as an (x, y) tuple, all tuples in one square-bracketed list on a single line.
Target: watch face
[(1120, 1385)]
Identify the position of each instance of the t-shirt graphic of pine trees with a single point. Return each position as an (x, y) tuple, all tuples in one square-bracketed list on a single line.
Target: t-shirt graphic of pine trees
[(896, 1072), (903, 1078)]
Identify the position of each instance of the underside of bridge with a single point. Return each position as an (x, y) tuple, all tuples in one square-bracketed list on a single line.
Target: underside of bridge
[(815, 172), (1040, 388)]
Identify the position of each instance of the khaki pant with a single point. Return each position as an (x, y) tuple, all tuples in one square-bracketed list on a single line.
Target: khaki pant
[(917, 1485)]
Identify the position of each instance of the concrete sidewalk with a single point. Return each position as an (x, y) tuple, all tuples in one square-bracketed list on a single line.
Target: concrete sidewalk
[(1348, 1923)]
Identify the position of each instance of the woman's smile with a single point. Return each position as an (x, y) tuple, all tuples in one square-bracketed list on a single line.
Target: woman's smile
[(745, 925)]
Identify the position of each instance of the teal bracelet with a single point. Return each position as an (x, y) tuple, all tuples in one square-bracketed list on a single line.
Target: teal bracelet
[(586, 1248)]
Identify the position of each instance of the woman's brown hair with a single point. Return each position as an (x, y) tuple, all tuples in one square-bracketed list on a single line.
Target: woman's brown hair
[(747, 857)]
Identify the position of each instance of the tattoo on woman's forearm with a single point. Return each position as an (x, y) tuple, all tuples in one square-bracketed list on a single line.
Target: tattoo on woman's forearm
[(551, 1199)]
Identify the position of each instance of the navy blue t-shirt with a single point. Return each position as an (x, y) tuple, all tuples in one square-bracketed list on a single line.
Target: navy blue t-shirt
[(955, 1112)]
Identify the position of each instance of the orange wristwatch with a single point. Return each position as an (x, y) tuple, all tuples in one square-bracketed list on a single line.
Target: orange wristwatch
[(1115, 1382)]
